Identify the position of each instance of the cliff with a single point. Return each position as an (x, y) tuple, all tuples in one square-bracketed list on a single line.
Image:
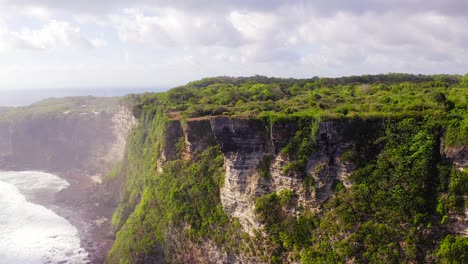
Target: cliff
[(365, 169), (276, 192), (80, 141), (93, 142)]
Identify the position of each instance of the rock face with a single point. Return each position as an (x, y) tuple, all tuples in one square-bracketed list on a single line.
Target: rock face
[(458, 155), (245, 143), (89, 141), (325, 165), (198, 135), (172, 135), (459, 158), (122, 123)]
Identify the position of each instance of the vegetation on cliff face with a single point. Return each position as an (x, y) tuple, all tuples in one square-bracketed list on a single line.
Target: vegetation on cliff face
[(185, 195), (389, 214), (140, 161), (398, 208), (173, 205)]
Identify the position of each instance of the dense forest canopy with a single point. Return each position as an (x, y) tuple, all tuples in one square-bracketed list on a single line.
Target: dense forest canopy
[(368, 96)]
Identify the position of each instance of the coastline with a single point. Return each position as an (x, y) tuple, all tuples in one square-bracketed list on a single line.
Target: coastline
[(78, 204)]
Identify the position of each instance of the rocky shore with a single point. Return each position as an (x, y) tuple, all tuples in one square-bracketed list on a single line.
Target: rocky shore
[(78, 204)]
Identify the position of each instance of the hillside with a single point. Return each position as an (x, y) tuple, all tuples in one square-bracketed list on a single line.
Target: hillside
[(364, 169)]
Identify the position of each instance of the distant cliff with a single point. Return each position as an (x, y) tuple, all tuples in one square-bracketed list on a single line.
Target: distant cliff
[(79, 139), (92, 141)]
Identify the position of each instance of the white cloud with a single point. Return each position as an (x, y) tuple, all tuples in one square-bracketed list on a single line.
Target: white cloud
[(38, 12), (254, 25), (196, 39), (98, 43), (353, 39), (4, 36), (171, 27), (52, 35)]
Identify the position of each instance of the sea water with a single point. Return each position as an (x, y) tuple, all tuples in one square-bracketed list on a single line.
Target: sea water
[(31, 233)]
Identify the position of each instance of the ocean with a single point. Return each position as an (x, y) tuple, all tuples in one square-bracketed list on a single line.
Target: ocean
[(30, 233)]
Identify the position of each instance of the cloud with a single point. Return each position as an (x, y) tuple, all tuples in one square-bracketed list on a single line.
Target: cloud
[(297, 38), (447, 7), (171, 27), (4, 36), (335, 33), (389, 34), (52, 35), (111, 6)]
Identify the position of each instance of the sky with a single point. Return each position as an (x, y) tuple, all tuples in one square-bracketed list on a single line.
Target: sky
[(61, 44)]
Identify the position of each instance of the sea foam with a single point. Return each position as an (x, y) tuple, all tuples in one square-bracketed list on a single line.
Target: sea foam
[(31, 233)]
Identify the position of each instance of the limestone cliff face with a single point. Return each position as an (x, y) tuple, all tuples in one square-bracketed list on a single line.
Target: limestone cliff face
[(245, 142), (93, 142), (326, 165), (122, 123), (198, 135)]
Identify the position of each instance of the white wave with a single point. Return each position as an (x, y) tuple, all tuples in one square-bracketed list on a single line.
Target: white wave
[(31, 233)]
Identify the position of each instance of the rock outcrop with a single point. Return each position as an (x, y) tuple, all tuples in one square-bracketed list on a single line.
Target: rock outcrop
[(457, 155), (245, 142), (252, 146)]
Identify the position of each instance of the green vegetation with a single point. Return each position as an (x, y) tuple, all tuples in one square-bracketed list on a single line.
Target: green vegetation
[(185, 194), (387, 216), (263, 167), (302, 145), (368, 96), (140, 161), (453, 250), (180, 203), (398, 209), (285, 231), (61, 106), (392, 198)]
